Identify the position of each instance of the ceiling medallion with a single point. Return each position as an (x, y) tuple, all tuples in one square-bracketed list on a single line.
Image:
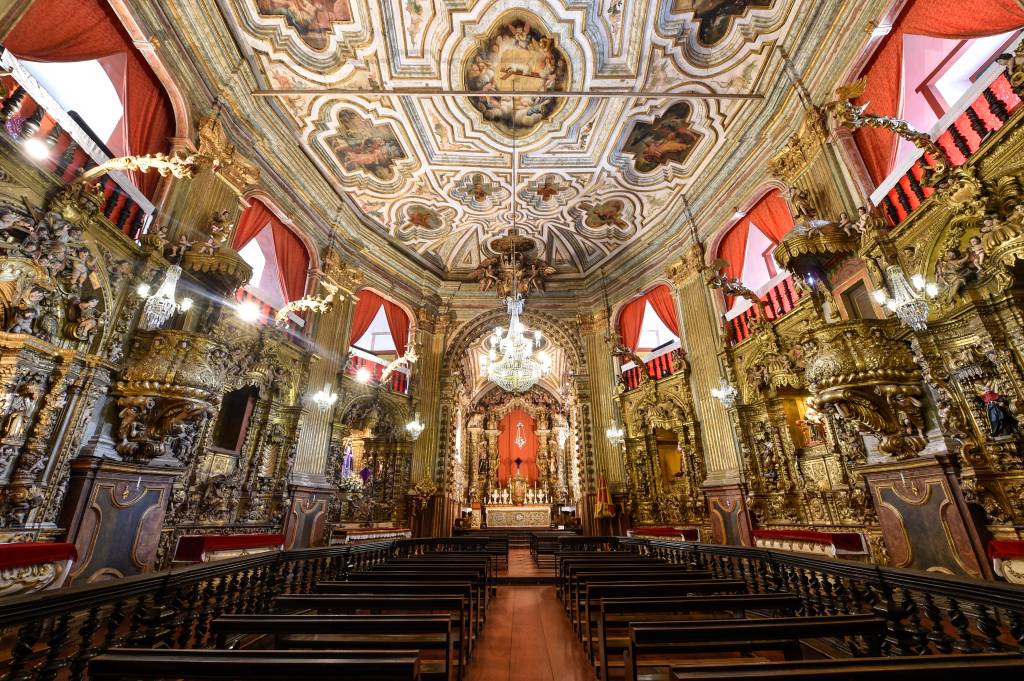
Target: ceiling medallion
[(517, 55)]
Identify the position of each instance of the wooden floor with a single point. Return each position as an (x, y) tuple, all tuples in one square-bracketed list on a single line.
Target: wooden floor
[(527, 636)]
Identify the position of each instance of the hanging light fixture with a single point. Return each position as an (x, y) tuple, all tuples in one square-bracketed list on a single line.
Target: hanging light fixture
[(325, 397), (509, 360), (415, 427), (616, 435), (161, 305), (908, 299), (726, 393)]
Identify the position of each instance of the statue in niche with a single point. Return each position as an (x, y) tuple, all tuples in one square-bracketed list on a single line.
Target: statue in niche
[(812, 425), (27, 310), (976, 252), (1000, 420), (21, 406), (802, 208)]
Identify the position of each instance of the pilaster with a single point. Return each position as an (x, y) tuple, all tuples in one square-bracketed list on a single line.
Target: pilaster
[(593, 330)]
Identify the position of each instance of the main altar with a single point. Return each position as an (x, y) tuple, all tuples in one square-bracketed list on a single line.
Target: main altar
[(518, 505)]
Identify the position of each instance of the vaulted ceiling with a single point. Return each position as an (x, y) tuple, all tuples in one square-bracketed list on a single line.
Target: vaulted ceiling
[(434, 173)]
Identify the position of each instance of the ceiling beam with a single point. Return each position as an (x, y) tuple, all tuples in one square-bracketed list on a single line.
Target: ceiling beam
[(565, 94)]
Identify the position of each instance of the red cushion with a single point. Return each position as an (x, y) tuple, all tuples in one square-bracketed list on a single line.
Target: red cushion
[(847, 541), (34, 553), (1005, 548), (192, 547)]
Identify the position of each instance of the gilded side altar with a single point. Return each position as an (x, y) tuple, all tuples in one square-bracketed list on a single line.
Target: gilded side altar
[(526, 515)]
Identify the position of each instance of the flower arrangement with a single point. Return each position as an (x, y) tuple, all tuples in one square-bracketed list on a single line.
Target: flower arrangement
[(351, 483)]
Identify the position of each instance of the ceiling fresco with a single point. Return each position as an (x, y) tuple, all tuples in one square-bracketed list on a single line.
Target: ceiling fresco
[(593, 174)]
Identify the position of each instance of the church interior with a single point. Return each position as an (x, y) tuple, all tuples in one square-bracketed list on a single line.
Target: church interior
[(394, 339)]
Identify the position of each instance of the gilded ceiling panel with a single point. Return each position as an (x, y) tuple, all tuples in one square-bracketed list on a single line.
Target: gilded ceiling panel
[(435, 174)]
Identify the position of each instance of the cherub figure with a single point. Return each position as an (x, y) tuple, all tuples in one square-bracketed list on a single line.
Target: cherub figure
[(208, 247), (844, 223), (178, 250), (82, 264), (976, 252), (84, 317), (953, 270)]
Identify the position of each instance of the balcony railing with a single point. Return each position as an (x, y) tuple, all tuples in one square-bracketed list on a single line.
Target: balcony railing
[(28, 112), (778, 301), (658, 367), (982, 111)]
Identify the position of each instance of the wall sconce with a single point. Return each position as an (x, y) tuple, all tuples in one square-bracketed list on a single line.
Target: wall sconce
[(248, 311), (363, 375), (415, 427), (908, 300), (726, 393), (325, 397)]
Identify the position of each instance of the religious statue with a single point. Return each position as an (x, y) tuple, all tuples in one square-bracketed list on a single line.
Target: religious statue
[(976, 252), (176, 252), (803, 209), (220, 227), (1001, 422), (83, 318), (954, 270), (81, 266), (27, 310), (21, 405)]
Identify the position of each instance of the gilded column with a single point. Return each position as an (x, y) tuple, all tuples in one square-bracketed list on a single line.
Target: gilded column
[(701, 341), (601, 365), (431, 328), (330, 331)]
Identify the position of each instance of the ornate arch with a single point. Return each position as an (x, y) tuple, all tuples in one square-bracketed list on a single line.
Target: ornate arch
[(482, 324)]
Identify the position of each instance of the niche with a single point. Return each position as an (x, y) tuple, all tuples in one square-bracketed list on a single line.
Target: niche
[(233, 420), (668, 454)]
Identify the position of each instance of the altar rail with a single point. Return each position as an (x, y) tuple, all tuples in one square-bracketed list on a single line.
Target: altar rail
[(927, 613), (68, 627)]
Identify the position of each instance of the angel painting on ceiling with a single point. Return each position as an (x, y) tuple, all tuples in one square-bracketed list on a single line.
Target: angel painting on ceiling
[(312, 19), (715, 16), (361, 145), (516, 57), (669, 137)]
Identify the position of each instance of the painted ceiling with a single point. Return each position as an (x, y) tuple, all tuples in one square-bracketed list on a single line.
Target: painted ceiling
[(435, 174)]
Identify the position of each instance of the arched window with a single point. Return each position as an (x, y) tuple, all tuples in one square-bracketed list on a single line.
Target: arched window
[(748, 246), (276, 254), (928, 61), (649, 326), (379, 335), (81, 54)]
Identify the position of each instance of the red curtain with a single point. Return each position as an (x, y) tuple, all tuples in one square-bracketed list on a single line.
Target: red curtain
[(366, 310), (80, 30), (630, 320), (509, 450), (661, 300), (252, 221), (954, 19), (771, 215), (292, 261), (398, 324), (291, 254)]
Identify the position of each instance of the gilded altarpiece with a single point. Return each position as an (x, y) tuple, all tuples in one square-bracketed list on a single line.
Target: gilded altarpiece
[(661, 430)]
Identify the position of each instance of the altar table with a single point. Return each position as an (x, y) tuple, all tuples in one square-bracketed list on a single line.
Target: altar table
[(523, 515)]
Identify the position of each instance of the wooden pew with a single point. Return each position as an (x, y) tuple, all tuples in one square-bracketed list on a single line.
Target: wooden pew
[(427, 589), (343, 632), (775, 634), (122, 664), (434, 560), (581, 580), (401, 573), (568, 568), (922, 668), (608, 630), (389, 604), (593, 593)]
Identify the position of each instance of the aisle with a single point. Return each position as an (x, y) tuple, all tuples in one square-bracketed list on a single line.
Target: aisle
[(527, 637)]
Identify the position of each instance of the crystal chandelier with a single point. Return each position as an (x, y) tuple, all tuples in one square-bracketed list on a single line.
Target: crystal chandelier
[(161, 305), (616, 435), (510, 361), (909, 300), (415, 427), (726, 393)]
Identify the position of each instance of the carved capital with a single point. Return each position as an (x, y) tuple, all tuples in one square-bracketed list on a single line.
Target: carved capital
[(687, 267)]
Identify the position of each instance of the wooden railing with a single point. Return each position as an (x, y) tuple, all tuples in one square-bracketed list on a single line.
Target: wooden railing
[(927, 613), (56, 633), (658, 367)]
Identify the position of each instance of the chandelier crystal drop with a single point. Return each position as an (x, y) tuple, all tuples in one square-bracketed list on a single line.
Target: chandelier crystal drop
[(161, 305), (512, 360), (909, 300)]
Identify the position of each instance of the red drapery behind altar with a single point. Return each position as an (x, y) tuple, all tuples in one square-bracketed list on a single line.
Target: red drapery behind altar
[(771, 215), (292, 258), (509, 451), (366, 310), (80, 30), (954, 19), (632, 315)]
